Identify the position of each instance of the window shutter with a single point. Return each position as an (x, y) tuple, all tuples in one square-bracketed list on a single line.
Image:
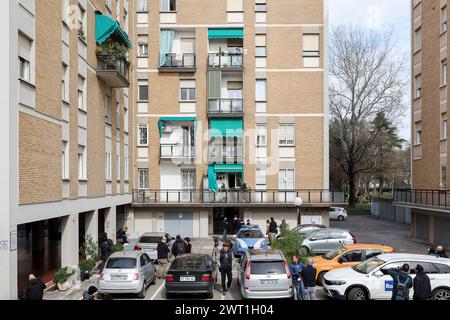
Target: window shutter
[(310, 42), (215, 79)]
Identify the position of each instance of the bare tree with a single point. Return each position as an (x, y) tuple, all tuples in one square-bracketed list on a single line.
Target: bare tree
[(366, 79)]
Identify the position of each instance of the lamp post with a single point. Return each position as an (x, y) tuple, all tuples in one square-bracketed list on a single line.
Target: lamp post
[(298, 203)]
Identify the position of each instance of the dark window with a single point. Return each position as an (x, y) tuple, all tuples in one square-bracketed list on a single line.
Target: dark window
[(372, 253), (149, 239), (352, 256), (146, 258), (244, 263), (269, 267), (143, 262), (319, 235), (260, 7), (251, 234), (427, 267), (121, 263), (189, 263), (443, 268), (143, 93)]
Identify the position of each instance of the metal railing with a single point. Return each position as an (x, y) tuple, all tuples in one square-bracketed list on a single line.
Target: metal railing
[(423, 197), (179, 60), (226, 60), (176, 151), (109, 63), (149, 196), (226, 106)]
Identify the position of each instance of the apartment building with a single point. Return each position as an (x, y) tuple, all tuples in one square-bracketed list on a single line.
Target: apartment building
[(67, 123), (429, 199), (231, 114)]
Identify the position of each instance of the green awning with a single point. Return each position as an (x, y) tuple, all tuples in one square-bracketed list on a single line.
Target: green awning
[(229, 168), (174, 119), (226, 33), (226, 127), (105, 27)]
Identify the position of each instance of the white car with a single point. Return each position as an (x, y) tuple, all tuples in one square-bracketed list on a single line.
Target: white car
[(339, 214), (369, 280)]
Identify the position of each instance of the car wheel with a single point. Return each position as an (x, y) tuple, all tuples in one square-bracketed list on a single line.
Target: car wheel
[(141, 294), (357, 293), (320, 279), (169, 295), (340, 218), (441, 294), (306, 250)]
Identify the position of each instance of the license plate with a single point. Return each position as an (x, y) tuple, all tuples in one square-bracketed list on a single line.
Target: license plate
[(187, 279), (266, 282), (118, 278)]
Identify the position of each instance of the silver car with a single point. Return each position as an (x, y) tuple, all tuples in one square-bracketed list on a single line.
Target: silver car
[(127, 272), (264, 274), (148, 242), (323, 241)]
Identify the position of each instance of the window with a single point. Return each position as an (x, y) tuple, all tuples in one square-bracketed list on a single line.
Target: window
[(261, 135), (260, 7), (445, 129), (187, 90), (143, 50), (81, 97), (117, 8), (168, 5), (125, 169), (444, 177), (64, 83), (428, 268), (118, 115), (109, 5), (143, 178), (418, 85), (311, 50), (125, 120), (82, 173), (108, 110), (25, 52), (444, 78), (286, 134), (261, 90), (418, 39), (143, 135), (418, 137), (261, 178), (352, 256), (117, 167), (260, 52), (370, 253), (64, 10), (24, 69), (142, 6), (81, 22), (286, 179), (65, 174), (143, 91), (188, 179), (108, 171), (444, 18), (234, 6)]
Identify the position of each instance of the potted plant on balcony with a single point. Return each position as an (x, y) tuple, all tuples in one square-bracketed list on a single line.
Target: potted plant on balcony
[(113, 51), (244, 193)]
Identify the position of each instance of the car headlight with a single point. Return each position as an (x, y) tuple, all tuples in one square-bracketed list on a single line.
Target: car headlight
[(336, 282)]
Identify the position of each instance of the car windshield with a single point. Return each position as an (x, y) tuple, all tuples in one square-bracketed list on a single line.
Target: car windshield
[(150, 239), (252, 234), (368, 266), (267, 267), (333, 254), (189, 263), (121, 263)]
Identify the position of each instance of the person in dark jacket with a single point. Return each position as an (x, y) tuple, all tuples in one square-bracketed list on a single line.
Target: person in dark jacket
[(225, 229), (35, 289), (179, 247), (106, 246), (422, 285), (273, 228), (163, 257), (296, 268), (90, 294), (440, 251), (236, 225), (402, 282), (226, 267), (308, 274), (187, 240)]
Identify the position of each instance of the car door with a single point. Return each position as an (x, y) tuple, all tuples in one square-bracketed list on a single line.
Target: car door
[(150, 267), (382, 286), (241, 269), (433, 273), (442, 279), (319, 242), (333, 214), (335, 240)]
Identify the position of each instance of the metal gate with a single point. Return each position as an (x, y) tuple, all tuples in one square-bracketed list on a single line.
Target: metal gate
[(179, 223)]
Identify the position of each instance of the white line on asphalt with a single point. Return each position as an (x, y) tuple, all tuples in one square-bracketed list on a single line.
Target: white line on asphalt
[(158, 291)]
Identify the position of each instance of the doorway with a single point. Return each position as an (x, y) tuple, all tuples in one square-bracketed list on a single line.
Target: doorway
[(218, 216)]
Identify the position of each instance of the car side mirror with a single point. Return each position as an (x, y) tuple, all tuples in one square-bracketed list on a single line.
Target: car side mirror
[(313, 239), (234, 237), (340, 260), (378, 274)]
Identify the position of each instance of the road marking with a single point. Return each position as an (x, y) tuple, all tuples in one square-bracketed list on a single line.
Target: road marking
[(158, 291)]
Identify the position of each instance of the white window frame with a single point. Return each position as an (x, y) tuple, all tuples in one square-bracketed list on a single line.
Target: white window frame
[(418, 137), (261, 96), (261, 178), (143, 178), (108, 171), (141, 144), (142, 6), (118, 167), (125, 169), (189, 86), (443, 178), (444, 129), (283, 179), (444, 19), (284, 140), (417, 39), (143, 50), (165, 6), (24, 69), (65, 173), (444, 72), (82, 172), (418, 85), (142, 84)]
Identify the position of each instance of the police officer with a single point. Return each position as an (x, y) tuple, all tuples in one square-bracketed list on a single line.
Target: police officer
[(226, 265)]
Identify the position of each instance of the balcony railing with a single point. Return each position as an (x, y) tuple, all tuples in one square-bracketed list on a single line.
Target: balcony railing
[(269, 197), (113, 71), (225, 106), (176, 151), (221, 154), (179, 61), (423, 198), (225, 60)]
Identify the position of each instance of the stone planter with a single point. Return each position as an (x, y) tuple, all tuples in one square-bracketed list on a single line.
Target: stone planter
[(63, 286)]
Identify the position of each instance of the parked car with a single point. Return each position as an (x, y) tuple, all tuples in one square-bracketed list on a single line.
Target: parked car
[(127, 272), (191, 274), (264, 274), (249, 238), (339, 214), (325, 240), (347, 256), (304, 229), (148, 243), (369, 279)]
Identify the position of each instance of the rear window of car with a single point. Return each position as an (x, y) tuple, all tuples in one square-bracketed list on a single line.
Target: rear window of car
[(267, 267), (150, 239), (251, 234), (121, 263), (189, 263)]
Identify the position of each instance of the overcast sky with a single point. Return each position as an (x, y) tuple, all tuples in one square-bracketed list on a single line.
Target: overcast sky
[(380, 15)]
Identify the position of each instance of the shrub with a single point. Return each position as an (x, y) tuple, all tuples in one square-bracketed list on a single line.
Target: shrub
[(62, 275), (289, 244), (90, 249), (87, 265), (117, 247)]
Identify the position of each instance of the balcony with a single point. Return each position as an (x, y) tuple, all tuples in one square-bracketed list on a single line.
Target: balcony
[(438, 200), (115, 72), (178, 62), (261, 198), (226, 107), (226, 61), (169, 152)]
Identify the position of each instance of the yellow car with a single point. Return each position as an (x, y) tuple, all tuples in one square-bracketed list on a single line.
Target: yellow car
[(347, 256)]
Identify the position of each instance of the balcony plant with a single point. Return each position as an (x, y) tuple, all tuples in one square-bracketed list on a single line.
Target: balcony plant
[(61, 278), (112, 51), (86, 267)]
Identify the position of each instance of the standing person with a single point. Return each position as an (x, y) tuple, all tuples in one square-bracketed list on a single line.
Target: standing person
[(296, 268), (248, 224), (273, 228), (236, 225), (422, 285), (90, 294), (440, 251), (402, 282), (225, 229), (105, 248), (35, 289), (226, 267), (163, 256), (188, 245), (308, 275), (179, 247), (432, 251), (283, 225)]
